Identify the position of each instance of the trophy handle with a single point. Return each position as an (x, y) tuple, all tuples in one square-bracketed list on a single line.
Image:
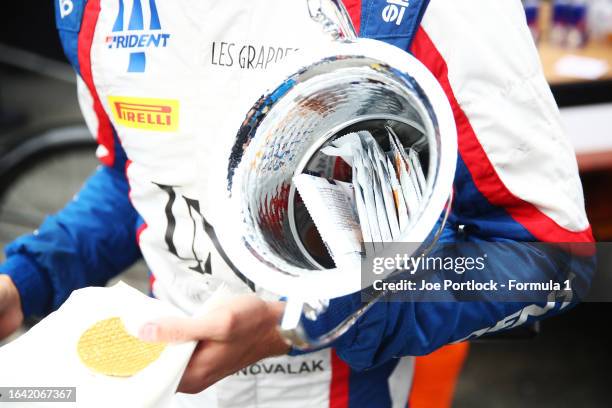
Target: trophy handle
[(292, 330), (333, 17)]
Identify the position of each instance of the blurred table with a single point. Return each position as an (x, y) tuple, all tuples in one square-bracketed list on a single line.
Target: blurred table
[(550, 55), (570, 91)]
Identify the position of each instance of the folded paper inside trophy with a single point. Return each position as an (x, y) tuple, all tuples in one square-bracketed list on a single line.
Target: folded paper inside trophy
[(358, 216)]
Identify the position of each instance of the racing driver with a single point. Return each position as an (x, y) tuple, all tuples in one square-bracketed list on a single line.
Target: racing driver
[(162, 85)]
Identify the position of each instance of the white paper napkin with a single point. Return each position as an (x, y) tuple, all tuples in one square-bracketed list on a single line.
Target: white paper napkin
[(46, 356)]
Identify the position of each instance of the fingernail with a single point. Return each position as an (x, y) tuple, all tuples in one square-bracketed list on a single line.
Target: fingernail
[(148, 332)]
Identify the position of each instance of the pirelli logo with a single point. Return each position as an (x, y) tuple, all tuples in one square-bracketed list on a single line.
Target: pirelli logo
[(159, 115)]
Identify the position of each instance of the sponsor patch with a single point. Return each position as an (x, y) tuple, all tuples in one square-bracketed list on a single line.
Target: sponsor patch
[(247, 56), (287, 368), (392, 21), (65, 8), (68, 14), (160, 115), (136, 35)]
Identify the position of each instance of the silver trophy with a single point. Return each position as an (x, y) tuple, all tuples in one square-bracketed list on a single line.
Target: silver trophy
[(353, 85)]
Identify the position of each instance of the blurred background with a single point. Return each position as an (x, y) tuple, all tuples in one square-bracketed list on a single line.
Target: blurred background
[(46, 152)]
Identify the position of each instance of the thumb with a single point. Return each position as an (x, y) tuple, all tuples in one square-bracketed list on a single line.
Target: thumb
[(180, 329)]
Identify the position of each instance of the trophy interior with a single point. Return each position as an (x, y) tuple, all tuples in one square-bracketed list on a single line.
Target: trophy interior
[(283, 134)]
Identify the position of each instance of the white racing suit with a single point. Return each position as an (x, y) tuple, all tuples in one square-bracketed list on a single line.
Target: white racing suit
[(164, 86)]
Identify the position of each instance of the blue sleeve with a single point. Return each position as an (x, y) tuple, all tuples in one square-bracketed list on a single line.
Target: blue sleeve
[(400, 328), (392, 329), (88, 242)]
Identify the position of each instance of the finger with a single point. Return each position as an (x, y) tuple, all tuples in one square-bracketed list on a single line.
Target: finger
[(206, 367), (190, 384), (218, 324), (195, 373), (178, 329), (4, 294)]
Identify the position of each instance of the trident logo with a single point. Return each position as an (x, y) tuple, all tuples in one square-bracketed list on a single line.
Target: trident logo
[(139, 42)]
